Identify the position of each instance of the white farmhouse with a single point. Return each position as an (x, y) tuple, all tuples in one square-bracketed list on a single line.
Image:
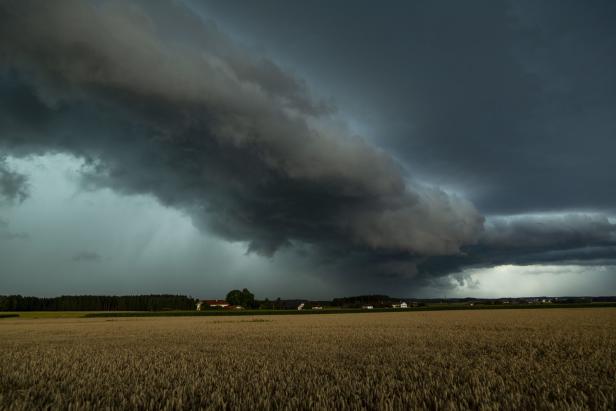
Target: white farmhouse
[(212, 304)]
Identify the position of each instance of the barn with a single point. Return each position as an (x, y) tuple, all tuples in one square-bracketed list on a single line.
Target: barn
[(212, 304)]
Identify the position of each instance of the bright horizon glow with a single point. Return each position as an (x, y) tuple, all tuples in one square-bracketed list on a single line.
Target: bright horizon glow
[(537, 280)]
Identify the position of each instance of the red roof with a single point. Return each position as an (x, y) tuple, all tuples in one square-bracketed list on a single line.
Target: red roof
[(215, 302)]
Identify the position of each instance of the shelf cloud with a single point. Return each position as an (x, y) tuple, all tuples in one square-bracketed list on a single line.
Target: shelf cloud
[(242, 145)]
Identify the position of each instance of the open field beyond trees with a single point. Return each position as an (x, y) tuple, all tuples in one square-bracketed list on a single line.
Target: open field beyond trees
[(484, 359)]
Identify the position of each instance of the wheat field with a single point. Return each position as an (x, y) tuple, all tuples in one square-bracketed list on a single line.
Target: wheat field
[(505, 359)]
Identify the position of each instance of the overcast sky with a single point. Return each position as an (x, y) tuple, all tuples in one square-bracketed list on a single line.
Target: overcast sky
[(308, 149)]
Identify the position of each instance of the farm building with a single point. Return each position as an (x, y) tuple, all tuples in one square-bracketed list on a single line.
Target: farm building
[(212, 304)]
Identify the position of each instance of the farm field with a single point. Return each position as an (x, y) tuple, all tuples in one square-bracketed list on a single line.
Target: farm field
[(482, 359)]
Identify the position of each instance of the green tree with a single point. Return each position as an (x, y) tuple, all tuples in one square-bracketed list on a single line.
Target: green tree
[(234, 297), (248, 298), (244, 298)]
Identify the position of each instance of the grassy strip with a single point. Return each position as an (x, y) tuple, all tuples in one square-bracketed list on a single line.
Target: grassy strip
[(339, 311), (439, 307), (47, 314)]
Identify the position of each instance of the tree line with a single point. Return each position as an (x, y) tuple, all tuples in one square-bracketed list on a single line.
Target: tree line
[(152, 302)]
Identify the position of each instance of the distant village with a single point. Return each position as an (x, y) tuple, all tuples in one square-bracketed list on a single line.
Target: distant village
[(291, 304), (239, 300)]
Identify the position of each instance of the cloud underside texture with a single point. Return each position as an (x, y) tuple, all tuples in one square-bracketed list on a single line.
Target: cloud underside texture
[(158, 101), (13, 186)]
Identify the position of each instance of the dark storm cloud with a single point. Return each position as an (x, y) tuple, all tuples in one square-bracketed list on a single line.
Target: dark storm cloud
[(217, 131), (568, 230), (159, 102), (548, 239), (581, 239), (513, 102)]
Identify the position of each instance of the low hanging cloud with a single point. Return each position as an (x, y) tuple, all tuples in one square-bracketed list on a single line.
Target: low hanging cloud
[(230, 137), (566, 238), (571, 238), (549, 231), (13, 186)]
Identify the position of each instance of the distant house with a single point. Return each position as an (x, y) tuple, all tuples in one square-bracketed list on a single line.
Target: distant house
[(217, 303), (401, 305), (212, 304), (367, 307), (317, 307)]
